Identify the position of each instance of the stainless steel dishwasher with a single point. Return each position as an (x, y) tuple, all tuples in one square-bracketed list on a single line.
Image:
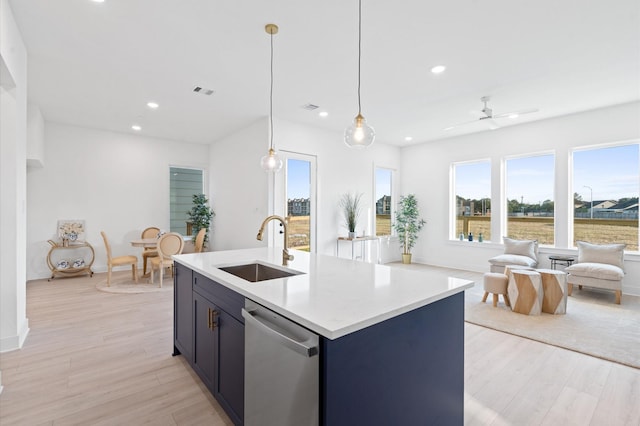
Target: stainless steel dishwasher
[(281, 370)]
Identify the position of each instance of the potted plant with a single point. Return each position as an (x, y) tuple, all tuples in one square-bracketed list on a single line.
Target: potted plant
[(200, 215), (351, 209), (408, 224)]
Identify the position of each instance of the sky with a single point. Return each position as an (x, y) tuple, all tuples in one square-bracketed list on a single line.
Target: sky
[(298, 178), (612, 173)]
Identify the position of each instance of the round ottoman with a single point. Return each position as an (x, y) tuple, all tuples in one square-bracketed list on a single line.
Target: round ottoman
[(495, 283)]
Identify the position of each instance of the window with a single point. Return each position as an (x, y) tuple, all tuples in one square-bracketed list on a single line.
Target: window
[(384, 201), (529, 204), (606, 188), (299, 203), (472, 190), (183, 184)]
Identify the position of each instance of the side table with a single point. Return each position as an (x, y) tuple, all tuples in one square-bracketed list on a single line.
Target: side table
[(68, 261), (561, 260), (363, 246)]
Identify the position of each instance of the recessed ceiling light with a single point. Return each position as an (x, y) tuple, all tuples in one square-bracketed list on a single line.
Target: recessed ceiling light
[(408, 138), (323, 114), (438, 69), (98, 1), (152, 105), (513, 115), (136, 127)]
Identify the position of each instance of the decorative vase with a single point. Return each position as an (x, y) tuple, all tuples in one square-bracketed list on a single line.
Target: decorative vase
[(352, 235), (406, 258)]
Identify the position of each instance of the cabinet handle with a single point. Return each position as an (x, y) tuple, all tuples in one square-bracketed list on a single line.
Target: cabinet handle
[(214, 318), (209, 318)]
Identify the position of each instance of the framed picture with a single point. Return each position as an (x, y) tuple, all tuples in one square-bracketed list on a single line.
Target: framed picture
[(72, 230)]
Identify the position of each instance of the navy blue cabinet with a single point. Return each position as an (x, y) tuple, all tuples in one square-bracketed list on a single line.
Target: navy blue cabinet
[(217, 339), (183, 312), (407, 370)]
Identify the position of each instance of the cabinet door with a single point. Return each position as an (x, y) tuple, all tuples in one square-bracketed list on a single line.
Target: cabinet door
[(229, 387), (183, 312), (204, 348)]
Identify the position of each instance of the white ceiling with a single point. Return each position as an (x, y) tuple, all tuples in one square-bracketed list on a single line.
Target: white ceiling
[(97, 65)]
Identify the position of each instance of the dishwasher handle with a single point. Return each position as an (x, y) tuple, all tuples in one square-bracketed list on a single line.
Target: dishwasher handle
[(303, 348)]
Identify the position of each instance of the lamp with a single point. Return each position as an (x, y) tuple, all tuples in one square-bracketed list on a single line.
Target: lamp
[(271, 162), (359, 134)]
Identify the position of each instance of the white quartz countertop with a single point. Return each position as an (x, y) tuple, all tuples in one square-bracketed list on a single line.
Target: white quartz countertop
[(332, 297)]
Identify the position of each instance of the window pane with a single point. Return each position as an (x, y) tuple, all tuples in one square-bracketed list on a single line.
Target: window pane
[(606, 195), (299, 203), (183, 184), (530, 205), (473, 200), (383, 201)]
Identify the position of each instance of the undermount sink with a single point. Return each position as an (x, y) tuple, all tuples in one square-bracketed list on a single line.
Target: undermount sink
[(255, 272)]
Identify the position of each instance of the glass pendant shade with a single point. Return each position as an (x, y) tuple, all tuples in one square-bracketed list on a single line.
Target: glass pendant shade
[(359, 134), (271, 162)]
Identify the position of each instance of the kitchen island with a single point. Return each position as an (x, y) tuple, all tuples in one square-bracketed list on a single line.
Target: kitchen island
[(391, 339)]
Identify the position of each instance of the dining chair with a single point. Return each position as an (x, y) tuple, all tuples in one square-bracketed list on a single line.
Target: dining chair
[(119, 261), (200, 240), (151, 232), (168, 245)]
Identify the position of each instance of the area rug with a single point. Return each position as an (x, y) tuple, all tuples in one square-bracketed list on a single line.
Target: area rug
[(593, 325), (121, 282)]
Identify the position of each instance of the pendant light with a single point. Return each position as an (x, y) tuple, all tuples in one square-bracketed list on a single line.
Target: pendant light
[(359, 134), (271, 162)]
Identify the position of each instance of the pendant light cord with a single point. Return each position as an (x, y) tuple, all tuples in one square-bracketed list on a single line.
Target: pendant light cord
[(359, 50), (271, 97)]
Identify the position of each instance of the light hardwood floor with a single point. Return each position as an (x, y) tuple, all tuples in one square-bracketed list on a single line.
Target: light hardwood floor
[(95, 358)]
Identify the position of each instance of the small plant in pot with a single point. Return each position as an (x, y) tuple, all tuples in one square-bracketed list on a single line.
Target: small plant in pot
[(200, 215), (350, 204), (408, 224)]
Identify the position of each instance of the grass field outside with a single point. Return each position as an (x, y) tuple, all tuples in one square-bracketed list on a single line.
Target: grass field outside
[(542, 229), (597, 231)]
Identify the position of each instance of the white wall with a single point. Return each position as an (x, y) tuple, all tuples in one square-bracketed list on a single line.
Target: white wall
[(14, 325), (240, 187), (426, 169), (116, 182), (35, 136)]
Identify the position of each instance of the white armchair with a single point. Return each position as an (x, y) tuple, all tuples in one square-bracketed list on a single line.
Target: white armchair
[(599, 266), (516, 252)]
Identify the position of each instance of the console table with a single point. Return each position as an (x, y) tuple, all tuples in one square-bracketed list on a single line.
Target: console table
[(70, 260), (361, 240)]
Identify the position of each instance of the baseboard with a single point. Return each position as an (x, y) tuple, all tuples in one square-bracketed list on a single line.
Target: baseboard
[(13, 343)]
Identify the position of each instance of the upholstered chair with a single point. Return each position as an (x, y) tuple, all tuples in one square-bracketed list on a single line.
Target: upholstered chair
[(151, 232), (199, 243), (599, 266), (516, 252), (168, 245), (118, 261)]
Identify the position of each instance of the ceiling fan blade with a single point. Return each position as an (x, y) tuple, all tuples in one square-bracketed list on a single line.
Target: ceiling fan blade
[(453, 126), (493, 124), (516, 113)]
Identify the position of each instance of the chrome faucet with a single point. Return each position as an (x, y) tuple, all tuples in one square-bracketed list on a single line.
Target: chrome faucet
[(286, 257)]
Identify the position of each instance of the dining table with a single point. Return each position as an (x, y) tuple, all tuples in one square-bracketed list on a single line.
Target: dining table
[(145, 243)]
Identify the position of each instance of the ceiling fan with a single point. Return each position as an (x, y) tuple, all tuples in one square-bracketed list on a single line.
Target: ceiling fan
[(486, 115)]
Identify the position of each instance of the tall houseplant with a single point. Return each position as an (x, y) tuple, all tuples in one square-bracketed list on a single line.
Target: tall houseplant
[(200, 215), (408, 224), (351, 207)]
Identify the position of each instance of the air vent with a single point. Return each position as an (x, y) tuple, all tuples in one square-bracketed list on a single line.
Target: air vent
[(202, 90), (310, 107)]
